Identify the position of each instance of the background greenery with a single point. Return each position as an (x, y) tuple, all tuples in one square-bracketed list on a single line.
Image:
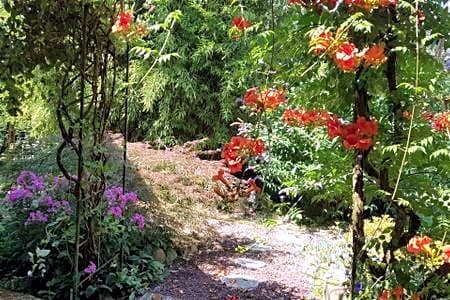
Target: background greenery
[(192, 95)]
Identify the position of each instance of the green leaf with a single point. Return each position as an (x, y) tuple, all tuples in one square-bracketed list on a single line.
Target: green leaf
[(416, 148), (42, 252), (171, 255), (90, 290), (440, 152)]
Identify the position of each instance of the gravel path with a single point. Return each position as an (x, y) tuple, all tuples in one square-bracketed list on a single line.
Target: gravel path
[(231, 256), (284, 262)]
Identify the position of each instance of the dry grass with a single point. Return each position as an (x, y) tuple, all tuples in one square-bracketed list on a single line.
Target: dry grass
[(176, 190)]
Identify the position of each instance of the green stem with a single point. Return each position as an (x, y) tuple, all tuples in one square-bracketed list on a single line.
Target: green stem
[(80, 171), (125, 134)]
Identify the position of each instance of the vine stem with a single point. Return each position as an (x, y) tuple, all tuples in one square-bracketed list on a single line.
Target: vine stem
[(125, 134), (411, 123), (80, 171), (161, 51)]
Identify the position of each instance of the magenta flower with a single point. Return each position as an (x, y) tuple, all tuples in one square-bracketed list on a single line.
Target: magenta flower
[(127, 198), (112, 194), (91, 268), (139, 220), (36, 217), (60, 182), (131, 197), (49, 202), (66, 206), (31, 181), (16, 194), (116, 211)]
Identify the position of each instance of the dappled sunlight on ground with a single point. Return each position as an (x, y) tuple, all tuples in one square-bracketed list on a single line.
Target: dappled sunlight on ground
[(284, 260)]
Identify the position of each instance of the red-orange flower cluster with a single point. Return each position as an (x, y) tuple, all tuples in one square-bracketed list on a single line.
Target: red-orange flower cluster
[(442, 122), (407, 114), (316, 4), (439, 122), (427, 116), (368, 5), (123, 22), (387, 3), (239, 149), (446, 254), (384, 295), (125, 25), (346, 57), (295, 117), (418, 244), (220, 176), (357, 135), (374, 56), (415, 296), (345, 54), (321, 40), (240, 23), (397, 292), (268, 99)]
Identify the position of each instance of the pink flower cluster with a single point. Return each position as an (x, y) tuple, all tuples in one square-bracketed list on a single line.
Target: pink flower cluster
[(119, 202), (31, 188)]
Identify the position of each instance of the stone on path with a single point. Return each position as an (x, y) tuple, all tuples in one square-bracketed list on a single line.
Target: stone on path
[(155, 296), (250, 263), (243, 282), (260, 248), (287, 238), (8, 295)]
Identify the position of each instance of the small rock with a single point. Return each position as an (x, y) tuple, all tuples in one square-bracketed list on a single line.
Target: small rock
[(250, 263), (159, 255), (336, 293), (260, 248), (155, 296), (146, 296), (287, 238), (243, 282)]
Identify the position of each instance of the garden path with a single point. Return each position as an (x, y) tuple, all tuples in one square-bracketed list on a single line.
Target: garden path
[(229, 255)]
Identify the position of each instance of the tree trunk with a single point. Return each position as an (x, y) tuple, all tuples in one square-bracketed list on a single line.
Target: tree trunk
[(8, 139), (360, 109)]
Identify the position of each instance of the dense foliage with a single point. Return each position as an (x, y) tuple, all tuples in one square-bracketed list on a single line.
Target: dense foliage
[(357, 78), (76, 234), (333, 96)]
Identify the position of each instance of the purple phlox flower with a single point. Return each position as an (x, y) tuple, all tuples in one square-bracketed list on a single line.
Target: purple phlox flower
[(36, 217), (66, 205), (19, 194), (123, 202), (128, 198), (55, 207), (91, 268), (358, 287), (139, 220), (131, 197), (60, 182), (112, 194), (116, 211), (49, 202), (31, 181)]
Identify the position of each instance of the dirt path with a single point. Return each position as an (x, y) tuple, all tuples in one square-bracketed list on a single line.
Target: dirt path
[(228, 256), (8, 295)]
